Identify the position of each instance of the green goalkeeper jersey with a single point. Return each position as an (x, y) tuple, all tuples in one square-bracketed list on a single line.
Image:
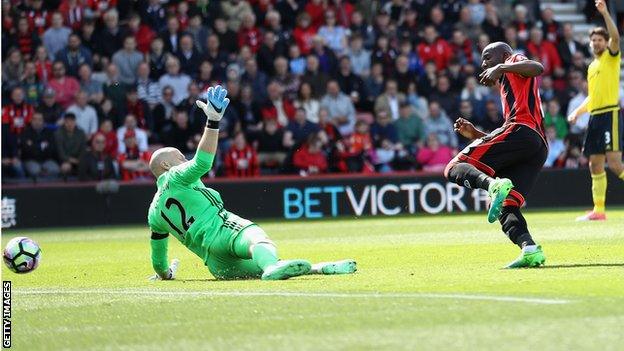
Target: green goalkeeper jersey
[(185, 208)]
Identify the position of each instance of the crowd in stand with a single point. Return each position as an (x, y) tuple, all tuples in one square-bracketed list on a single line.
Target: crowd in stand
[(319, 86)]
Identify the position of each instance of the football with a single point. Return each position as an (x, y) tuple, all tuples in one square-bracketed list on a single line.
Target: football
[(22, 255)]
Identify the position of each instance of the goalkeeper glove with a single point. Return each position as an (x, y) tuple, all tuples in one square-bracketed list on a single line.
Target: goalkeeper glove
[(216, 104), (173, 268)]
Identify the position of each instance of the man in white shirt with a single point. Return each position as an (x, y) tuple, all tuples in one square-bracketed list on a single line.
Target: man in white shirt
[(130, 123), (86, 116), (178, 81)]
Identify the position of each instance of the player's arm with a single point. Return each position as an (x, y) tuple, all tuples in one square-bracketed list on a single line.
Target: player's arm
[(525, 68), (614, 35), (191, 171), (467, 129), (165, 271), (582, 108)]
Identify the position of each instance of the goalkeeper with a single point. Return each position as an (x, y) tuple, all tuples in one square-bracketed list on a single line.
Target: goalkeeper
[(230, 246)]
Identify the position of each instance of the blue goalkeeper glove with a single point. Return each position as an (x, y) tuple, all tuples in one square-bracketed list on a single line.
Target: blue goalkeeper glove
[(173, 268), (217, 103)]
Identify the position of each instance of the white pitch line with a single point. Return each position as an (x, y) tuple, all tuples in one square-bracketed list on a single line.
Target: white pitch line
[(533, 300)]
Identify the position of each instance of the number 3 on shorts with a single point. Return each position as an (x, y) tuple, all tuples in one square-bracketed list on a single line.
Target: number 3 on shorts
[(607, 138)]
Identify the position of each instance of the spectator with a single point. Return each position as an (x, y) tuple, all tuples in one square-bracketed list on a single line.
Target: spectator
[(114, 89), (463, 48), (95, 164), (189, 57), (138, 109), (12, 70), (38, 149), (143, 34), (350, 84), (112, 144), (271, 152), (42, 64), (434, 49), (360, 57), (73, 12), (361, 27), (309, 159), (556, 148), (333, 34), (11, 164), (267, 53), (92, 87), (26, 40), (390, 100), (409, 28), (568, 46), (171, 35), (340, 108), (306, 101), (198, 31), (299, 129), (70, 145), (521, 22), (434, 156), (234, 11), (248, 33), (224, 36), (493, 117), (163, 112), (74, 55), (89, 37), (38, 16), (131, 124), (580, 126), (553, 117), (327, 58), (466, 24), (276, 106), (256, 79), (65, 87), (440, 124), (179, 82), (288, 81), (297, 63), (316, 78), (282, 35), (550, 27), (511, 38), (179, 134), (157, 59), (418, 103), (110, 38), (86, 117), (315, 9), (374, 85), (56, 37), (402, 75), (443, 96), (304, 33), (357, 151), (384, 54), (147, 89), (384, 129), (414, 64), (127, 61), (241, 160), (17, 115), (546, 52), (32, 88), (492, 24), (155, 15), (409, 127), (133, 164), (50, 109), (436, 17)]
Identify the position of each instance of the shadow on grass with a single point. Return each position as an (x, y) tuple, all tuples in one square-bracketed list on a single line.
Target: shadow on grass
[(583, 265)]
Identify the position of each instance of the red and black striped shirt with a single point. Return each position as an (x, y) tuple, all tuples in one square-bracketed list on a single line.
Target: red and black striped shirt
[(521, 99)]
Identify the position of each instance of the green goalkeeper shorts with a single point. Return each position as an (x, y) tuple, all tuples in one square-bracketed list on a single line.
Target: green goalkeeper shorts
[(228, 255)]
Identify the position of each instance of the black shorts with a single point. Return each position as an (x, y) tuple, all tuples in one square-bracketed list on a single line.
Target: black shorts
[(516, 152), (605, 133)]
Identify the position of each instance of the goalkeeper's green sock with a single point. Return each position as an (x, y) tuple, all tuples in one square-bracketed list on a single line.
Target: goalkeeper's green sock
[(264, 255)]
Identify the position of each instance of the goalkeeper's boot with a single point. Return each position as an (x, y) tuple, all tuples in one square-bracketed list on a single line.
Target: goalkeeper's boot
[(339, 267), (532, 256), (286, 269), (592, 216), (498, 191)]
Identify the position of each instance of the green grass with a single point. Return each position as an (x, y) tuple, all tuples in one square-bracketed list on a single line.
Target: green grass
[(91, 292)]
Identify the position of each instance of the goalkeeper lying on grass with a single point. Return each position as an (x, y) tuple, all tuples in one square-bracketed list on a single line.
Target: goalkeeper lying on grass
[(232, 247)]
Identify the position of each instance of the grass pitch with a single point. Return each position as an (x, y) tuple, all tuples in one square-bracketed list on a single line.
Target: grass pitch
[(425, 282)]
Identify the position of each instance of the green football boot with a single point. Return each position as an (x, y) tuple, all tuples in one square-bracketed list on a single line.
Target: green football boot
[(339, 267), (286, 269), (531, 259), (498, 191)]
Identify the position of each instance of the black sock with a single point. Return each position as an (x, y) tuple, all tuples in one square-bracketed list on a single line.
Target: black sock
[(515, 226), (469, 176)]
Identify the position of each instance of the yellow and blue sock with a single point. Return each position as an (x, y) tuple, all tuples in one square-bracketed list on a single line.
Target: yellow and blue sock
[(599, 191)]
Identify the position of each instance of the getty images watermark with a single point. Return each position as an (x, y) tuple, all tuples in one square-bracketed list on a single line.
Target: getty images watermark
[(6, 314)]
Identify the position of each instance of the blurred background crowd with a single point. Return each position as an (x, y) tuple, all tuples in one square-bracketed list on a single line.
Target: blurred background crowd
[(90, 87)]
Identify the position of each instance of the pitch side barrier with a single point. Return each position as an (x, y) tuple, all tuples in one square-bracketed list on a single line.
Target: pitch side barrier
[(287, 197)]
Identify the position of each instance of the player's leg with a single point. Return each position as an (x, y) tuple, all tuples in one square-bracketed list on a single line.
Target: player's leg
[(476, 165), (599, 188), (523, 174), (253, 245)]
